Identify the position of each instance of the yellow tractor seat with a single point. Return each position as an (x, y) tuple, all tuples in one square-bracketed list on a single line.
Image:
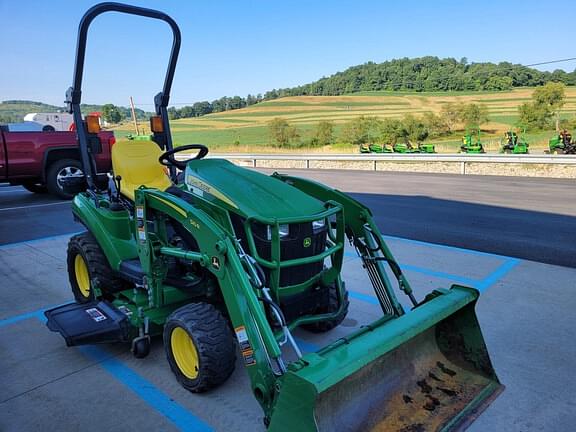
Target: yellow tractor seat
[(137, 163)]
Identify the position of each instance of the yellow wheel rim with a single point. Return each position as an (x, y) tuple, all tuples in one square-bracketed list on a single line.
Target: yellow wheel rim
[(184, 352), (82, 276)]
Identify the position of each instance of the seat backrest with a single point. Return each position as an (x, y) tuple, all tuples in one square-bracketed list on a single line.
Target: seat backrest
[(137, 163)]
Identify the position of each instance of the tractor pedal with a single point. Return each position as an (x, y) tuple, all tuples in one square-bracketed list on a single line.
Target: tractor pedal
[(89, 323)]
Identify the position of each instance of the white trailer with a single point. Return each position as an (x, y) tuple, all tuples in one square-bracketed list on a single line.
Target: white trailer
[(52, 121)]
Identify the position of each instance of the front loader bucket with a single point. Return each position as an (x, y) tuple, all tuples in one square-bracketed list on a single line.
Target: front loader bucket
[(427, 370)]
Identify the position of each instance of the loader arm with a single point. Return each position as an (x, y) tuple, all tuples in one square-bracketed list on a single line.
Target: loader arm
[(218, 254), (366, 238)]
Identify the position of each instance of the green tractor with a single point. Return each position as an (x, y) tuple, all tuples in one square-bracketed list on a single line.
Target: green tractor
[(514, 144), (220, 260), (562, 144), (471, 143)]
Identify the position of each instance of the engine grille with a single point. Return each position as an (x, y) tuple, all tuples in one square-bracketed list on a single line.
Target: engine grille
[(292, 247)]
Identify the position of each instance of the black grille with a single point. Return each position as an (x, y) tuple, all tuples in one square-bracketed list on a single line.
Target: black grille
[(293, 247)]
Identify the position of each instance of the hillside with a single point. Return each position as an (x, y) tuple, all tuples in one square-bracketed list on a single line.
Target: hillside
[(247, 127), (13, 111), (425, 74)]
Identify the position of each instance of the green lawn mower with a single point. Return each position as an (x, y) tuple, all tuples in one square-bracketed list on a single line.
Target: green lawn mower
[(471, 143), (513, 144), (426, 148), (404, 148), (562, 144), (375, 148), (221, 261)]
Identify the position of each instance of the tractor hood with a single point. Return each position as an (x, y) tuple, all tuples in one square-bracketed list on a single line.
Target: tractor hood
[(248, 192)]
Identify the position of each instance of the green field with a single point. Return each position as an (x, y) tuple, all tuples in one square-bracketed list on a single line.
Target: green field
[(245, 130)]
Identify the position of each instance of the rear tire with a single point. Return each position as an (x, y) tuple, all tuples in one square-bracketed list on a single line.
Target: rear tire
[(332, 306), (59, 170), (199, 347), (38, 188), (86, 262)]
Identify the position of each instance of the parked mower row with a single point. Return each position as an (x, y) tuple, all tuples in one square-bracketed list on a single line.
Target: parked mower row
[(511, 143)]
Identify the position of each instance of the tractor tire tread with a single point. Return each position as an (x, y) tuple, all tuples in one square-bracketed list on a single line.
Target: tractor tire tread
[(213, 340), (96, 262), (324, 326)]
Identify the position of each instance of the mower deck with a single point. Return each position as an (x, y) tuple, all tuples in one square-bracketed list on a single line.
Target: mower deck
[(527, 323)]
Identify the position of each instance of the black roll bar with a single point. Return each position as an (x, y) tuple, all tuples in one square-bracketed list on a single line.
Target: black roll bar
[(74, 93)]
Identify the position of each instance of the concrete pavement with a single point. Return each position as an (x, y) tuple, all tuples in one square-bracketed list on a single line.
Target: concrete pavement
[(526, 312)]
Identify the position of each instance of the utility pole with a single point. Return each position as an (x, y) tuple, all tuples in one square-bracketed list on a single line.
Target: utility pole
[(134, 116)]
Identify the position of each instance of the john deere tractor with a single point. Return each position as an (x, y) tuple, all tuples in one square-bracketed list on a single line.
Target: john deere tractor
[(222, 261), (514, 144), (562, 144), (471, 142)]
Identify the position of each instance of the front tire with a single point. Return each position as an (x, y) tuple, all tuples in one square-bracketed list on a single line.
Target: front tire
[(60, 170), (86, 262), (331, 306), (199, 347)]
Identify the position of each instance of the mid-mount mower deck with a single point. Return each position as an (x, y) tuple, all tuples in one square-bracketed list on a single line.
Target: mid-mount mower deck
[(220, 259)]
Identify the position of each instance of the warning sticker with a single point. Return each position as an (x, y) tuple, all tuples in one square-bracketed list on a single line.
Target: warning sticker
[(142, 234), (245, 347), (249, 359), (95, 314), (140, 212), (242, 337)]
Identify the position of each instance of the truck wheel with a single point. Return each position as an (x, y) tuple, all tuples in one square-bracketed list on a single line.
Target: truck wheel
[(38, 188), (87, 262), (48, 128), (59, 170), (199, 347), (332, 306)]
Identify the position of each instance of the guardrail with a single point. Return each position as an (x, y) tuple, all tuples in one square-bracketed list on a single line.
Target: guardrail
[(413, 157), (376, 161)]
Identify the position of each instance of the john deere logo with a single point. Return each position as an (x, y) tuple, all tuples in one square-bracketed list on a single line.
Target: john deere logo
[(307, 242)]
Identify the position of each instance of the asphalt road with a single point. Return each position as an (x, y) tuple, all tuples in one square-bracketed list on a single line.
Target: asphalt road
[(528, 218)]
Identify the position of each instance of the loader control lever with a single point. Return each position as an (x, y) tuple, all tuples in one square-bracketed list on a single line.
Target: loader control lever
[(168, 159)]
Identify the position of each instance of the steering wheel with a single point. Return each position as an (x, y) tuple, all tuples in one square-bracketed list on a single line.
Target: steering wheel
[(168, 159)]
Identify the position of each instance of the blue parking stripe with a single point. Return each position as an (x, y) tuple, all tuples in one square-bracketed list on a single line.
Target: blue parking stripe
[(169, 408), (439, 274), (21, 317), (498, 274), (364, 297), (460, 279)]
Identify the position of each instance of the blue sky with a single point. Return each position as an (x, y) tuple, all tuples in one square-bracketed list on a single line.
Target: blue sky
[(240, 47)]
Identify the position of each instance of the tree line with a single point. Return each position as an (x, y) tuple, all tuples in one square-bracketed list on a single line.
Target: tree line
[(423, 74), (364, 129), (426, 74)]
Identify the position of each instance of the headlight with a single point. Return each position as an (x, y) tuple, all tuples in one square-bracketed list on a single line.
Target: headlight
[(284, 231), (318, 224)]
